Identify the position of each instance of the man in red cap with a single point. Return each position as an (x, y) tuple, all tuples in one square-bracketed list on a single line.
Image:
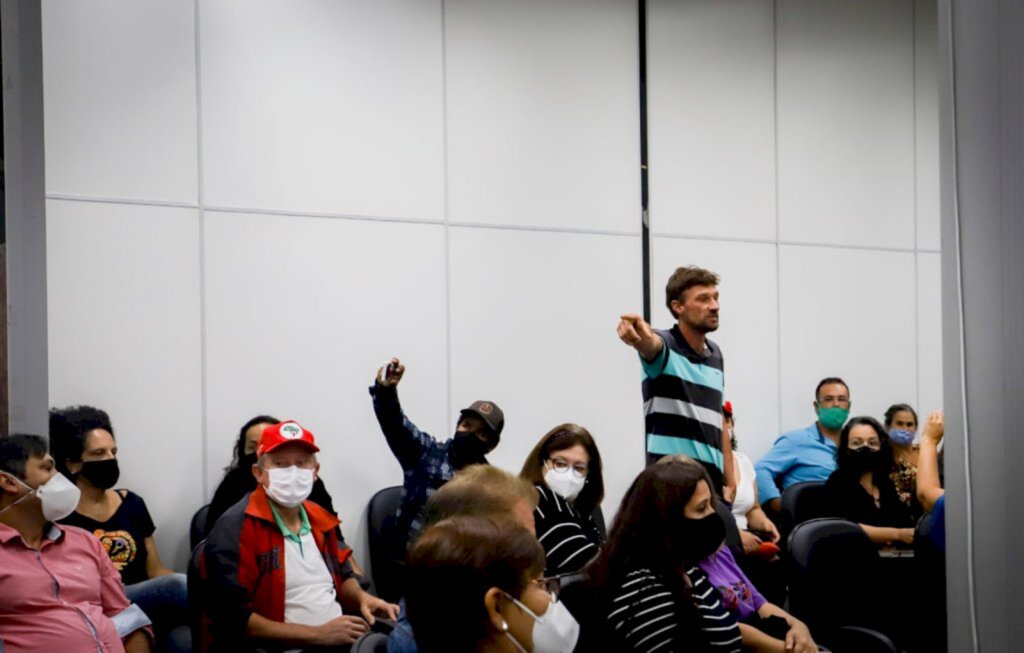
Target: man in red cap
[(428, 463), (276, 567)]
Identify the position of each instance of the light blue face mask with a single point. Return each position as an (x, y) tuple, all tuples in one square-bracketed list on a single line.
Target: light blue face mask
[(901, 437)]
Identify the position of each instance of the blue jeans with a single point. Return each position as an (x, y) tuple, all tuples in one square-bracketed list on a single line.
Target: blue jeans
[(164, 599)]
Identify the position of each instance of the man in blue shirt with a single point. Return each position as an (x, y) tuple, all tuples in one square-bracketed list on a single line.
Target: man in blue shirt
[(807, 454)]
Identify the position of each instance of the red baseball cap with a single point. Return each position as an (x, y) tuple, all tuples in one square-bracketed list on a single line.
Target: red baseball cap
[(283, 433)]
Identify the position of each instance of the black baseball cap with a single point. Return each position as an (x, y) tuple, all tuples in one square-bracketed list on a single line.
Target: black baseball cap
[(489, 412)]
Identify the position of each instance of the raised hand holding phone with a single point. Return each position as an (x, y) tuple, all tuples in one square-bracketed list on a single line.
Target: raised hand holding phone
[(390, 373)]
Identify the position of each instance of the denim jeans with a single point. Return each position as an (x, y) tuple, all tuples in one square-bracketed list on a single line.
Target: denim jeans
[(164, 599)]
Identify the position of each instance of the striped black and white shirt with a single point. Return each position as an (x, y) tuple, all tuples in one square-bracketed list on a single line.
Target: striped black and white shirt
[(642, 613), (570, 541), (683, 392)]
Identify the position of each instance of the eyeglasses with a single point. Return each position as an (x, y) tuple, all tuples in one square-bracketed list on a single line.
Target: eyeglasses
[(551, 586), (561, 465)]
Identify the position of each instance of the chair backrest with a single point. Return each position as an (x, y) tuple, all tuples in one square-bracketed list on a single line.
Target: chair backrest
[(803, 501), (855, 639), (385, 552), (196, 579), (834, 574), (732, 529), (371, 643), (197, 528)]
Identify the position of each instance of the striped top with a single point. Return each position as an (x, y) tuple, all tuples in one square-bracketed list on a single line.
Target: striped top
[(569, 540), (683, 393), (642, 613)]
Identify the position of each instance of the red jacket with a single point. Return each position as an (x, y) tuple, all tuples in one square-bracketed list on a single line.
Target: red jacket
[(244, 565)]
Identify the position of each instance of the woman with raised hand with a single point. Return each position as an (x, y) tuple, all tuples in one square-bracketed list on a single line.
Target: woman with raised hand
[(565, 466)]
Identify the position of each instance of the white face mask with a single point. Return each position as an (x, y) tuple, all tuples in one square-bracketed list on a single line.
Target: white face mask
[(567, 484), (58, 495), (555, 631), (290, 486)]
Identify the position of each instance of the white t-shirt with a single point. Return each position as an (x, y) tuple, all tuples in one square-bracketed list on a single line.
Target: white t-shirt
[(746, 481), (309, 594)]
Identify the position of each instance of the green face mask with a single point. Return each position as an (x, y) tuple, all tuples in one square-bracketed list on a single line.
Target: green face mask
[(833, 417)]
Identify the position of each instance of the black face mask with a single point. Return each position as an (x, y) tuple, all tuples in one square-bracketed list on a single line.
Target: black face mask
[(467, 449), (696, 539), (247, 460), (865, 460), (101, 473)]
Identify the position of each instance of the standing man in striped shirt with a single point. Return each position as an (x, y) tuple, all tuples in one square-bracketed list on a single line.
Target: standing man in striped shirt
[(684, 375)]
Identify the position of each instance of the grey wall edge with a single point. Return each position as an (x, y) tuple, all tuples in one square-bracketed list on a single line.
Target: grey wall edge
[(25, 213)]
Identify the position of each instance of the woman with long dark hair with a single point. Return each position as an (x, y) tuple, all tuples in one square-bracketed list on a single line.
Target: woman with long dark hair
[(861, 489), (565, 467), (656, 596)]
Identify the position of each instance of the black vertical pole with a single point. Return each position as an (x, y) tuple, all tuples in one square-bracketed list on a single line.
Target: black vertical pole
[(645, 224)]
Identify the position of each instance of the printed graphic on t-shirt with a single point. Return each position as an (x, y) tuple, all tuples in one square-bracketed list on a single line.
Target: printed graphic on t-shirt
[(733, 594), (119, 545)]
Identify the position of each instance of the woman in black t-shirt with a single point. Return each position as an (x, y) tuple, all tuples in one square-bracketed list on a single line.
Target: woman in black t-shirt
[(83, 447), (861, 490)]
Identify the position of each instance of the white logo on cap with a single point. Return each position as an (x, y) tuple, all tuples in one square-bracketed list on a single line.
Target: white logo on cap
[(485, 408), (291, 431)]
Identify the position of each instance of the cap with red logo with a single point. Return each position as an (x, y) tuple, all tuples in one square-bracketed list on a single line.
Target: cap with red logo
[(489, 412), (283, 433)]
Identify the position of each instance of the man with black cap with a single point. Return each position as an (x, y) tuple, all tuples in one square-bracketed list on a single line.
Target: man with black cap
[(428, 463)]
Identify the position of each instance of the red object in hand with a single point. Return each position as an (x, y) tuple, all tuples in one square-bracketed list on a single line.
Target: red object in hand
[(767, 550)]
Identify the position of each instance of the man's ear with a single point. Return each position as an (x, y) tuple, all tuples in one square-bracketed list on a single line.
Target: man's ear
[(8, 484), (676, 307), (256, 472), (492, 601)]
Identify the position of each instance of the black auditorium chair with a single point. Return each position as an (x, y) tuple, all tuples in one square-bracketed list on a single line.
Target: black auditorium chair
[(372, 642), (196, 596), (598, 518), (834, 578), (855, 639), (197, 528), (385, 552), (800, 502), (732, 530)]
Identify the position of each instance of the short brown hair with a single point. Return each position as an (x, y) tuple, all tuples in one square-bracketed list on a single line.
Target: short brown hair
[(449, 571), (685, 278), (564, 436), (480, 491)]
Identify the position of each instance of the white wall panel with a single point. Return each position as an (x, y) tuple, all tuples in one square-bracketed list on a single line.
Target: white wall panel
[(300, 313), (124, 336), (533, 318), (120, 93), (749, 333), (846, 313), (711, 118), (926, 122), (846, 122), (542, 113), (929, 333), (322, 106)]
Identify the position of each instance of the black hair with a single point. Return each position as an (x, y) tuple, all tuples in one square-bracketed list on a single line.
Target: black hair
[(240, 442), (881, 474), (896, 408), (639, 538), (17, 448), (68, 429), (827, 381)]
